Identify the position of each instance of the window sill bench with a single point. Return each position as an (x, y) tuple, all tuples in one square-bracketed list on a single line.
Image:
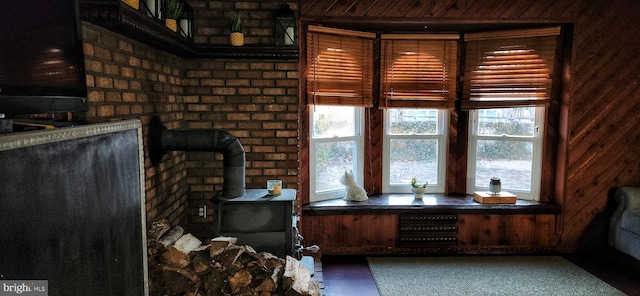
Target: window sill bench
[(437, 224), (399, 203)]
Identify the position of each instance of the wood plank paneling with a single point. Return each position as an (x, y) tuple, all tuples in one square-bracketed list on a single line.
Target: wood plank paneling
[(316, 7), (481, 230), (377, 9), (471, 235), (600, 140), (374, 151), (369, 234), (350, 233), (419, 9), (520, 231)]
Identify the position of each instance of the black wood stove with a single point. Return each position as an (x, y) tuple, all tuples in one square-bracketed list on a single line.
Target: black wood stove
[(265, 222)]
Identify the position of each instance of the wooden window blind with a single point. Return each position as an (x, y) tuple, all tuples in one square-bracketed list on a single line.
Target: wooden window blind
[(418, 70), (509, 68), (340, 67)]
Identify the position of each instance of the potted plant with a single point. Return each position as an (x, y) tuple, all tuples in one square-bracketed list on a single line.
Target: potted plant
[(173, 11), (418, 189), (236, 37)]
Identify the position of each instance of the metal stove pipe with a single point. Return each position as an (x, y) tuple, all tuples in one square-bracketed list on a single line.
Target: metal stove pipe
[(203, 140)]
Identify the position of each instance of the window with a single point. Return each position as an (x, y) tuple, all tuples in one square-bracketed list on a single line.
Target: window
[(453, 129), (339, 86), (336, 145), (507, 85), (414, 146), (417, 71), (506, 143)]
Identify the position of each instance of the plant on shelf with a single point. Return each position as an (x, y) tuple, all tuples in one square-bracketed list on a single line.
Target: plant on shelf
[(236, 24), (414, 183), (236, 37), (418, 189), (173, 11)]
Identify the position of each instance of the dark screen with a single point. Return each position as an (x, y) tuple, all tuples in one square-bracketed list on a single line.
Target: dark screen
[(40, 53)]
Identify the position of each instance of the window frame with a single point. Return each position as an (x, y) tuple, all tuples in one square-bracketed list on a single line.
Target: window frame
[(358, 161), (537, 141), (441, 136)]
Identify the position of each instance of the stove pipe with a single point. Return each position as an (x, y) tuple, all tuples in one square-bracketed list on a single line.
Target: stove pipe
[(162, 140)]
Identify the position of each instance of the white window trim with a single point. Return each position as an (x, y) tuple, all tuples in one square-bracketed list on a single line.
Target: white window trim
[(358, 162), (536, 171), (441, 136)]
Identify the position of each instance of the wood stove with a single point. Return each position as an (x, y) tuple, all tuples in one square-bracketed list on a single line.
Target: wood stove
[(265, 222)]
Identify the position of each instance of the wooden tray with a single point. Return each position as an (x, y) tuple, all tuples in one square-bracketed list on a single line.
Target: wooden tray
[(486, 197)]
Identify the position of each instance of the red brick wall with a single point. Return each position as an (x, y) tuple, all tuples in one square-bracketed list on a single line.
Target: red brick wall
[(212, 20), (255, 100), (126, 80)]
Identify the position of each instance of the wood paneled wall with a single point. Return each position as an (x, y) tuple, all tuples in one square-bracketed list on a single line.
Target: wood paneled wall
[(599, 137), (344, 234), (513, 231), (476, 233)]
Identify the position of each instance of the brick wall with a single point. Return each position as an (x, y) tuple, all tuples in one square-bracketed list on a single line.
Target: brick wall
[(212, 20), (128, 80), (254, 100)]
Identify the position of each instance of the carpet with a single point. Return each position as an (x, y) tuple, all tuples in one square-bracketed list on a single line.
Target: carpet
[(484, 275)]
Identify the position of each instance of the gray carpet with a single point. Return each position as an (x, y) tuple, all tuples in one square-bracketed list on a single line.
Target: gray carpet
[(484, 275)]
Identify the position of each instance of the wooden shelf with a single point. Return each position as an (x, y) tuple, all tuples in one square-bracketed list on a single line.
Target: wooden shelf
[(123, 19), (433, 204), (247, 51), (120, 18)]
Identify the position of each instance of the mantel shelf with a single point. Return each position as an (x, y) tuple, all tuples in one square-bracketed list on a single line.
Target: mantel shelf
[(120, 18), (247, 51)]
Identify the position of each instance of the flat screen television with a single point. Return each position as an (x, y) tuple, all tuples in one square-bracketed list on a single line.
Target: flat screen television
[(41, 58)]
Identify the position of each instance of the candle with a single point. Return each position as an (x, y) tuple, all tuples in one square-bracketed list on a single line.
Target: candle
[(494, 185), (274, 187)]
